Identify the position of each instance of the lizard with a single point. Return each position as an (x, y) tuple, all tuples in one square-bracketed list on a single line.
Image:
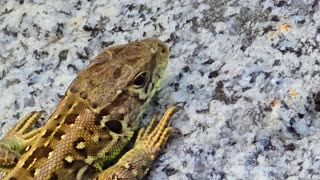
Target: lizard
[(95, 120)]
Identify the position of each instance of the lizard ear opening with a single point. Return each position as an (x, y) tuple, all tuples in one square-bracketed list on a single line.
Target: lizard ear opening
[(114, 126)]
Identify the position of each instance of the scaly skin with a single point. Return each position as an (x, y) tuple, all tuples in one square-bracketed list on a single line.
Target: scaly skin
[(94, 121)]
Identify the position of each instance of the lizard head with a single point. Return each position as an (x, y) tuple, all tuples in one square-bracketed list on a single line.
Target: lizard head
[(148, 61), (122, 79)]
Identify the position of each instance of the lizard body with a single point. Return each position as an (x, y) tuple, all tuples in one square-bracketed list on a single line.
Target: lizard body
[(94, 121)]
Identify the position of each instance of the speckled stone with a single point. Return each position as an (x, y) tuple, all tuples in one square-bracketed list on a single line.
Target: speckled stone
[(246, 71)]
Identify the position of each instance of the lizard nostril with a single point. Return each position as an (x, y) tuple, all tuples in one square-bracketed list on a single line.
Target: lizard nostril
[(163, 48)]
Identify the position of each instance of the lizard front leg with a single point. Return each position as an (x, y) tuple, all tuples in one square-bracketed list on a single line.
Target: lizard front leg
[(14, 143), (136, 163)]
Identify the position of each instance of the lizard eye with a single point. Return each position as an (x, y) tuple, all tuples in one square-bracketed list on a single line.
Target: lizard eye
[(140, 80)]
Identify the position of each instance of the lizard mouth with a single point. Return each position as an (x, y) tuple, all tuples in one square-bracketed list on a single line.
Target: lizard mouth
[(160, 57)]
